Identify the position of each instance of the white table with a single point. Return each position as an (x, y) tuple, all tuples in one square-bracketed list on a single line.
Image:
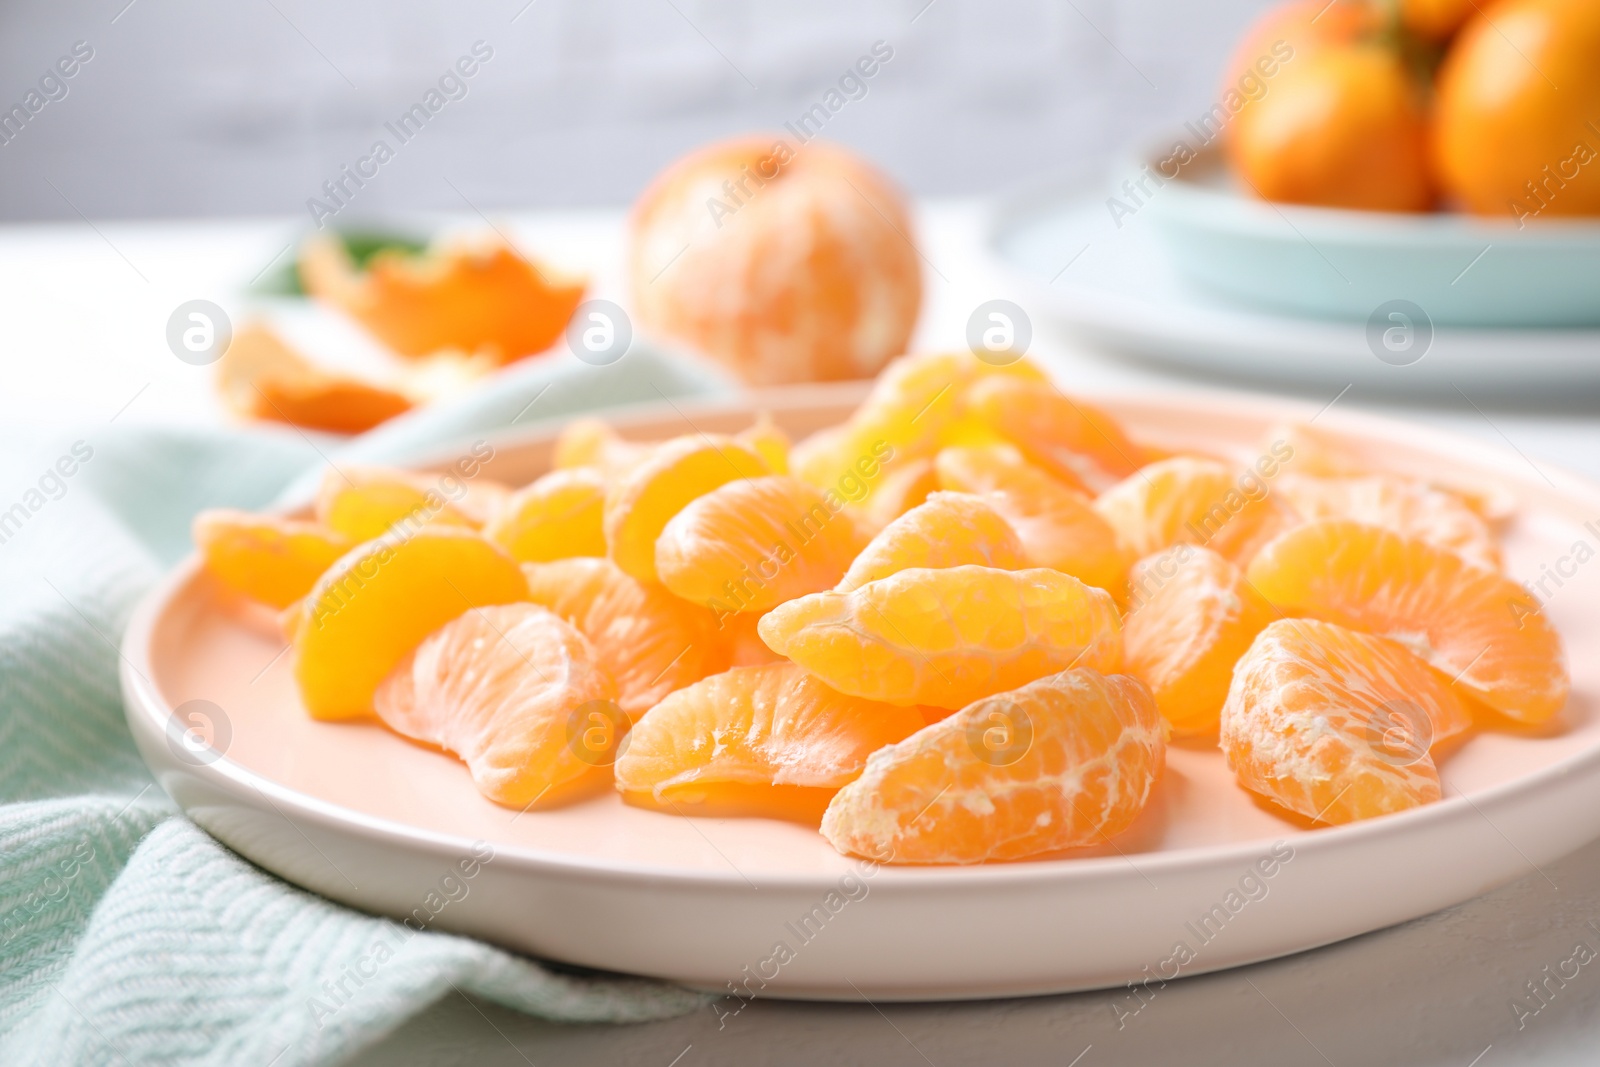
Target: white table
[(82, 342)]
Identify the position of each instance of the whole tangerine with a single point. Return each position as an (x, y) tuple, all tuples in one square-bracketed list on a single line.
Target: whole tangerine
[(786, 263)]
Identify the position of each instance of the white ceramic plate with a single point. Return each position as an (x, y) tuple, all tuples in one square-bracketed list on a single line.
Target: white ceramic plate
[(1116, 287), (354, 812)]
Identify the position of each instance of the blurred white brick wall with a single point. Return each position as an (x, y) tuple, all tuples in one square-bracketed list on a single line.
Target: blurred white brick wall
[(247, 106)]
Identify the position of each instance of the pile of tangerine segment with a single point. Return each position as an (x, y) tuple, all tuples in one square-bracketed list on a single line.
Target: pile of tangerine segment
[(961, 626)]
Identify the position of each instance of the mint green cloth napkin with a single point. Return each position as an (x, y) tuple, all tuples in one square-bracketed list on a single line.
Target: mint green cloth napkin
[(127, 935)]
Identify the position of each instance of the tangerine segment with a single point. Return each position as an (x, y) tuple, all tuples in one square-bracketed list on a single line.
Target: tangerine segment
[(1064, 761), (1193, 616), (1070, 438), (753, 543), (261, 377), (1407, 507), (655, 489), (1337, 725), (766, 440), (1058, 526), (591, 442), (768, 740), (648, 640), (947, 637), (271, 560), (1477, 626), (556, 517), (901, 490), (364, 502), (1186, 500), (380, 600), (950, 530), (514, 691)]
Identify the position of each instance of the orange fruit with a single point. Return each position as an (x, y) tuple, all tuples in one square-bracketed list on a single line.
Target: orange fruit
[(903, 488), (1436, 20), (1517, 100), (949, 636), (1057, 525), (1193, 615), (785, 264), (949, 530), (1288, 32), (648, 640), (767, 440), (1068, 437), (1339, 126), (1476, 626), (1064, 761), (266, 558), (260, 377), (640, 504), (753, 543), (485, 298), (1337, 725), (1193, 501), (555, 517), (364, 502), (768, 740), (380, 600), (590, 442), (1407, 507), (513, 691)]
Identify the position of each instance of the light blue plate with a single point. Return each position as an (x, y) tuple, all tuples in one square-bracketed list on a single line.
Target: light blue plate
[(1460, 270)]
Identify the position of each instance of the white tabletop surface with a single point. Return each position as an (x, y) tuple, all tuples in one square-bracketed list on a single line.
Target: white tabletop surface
[(82, 342)]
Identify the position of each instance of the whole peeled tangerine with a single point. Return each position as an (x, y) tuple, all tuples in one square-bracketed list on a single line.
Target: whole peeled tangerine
[(784, 261)]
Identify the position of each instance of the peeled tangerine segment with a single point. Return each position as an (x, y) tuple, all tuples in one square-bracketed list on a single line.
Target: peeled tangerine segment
[(380, 600), (904, 486), (656, 488), (1410, 508), (1188, 500), (556, 517), (1064, 761), (364, 502), (1193, 615), (1477, 626), (1337, 725), (947, 637), (514, 691), (768, 740), (949, 530), (753, 543), (766, 440), (268, 559), (650, 641), (1067, 436), (1058, 526), (591, 442)]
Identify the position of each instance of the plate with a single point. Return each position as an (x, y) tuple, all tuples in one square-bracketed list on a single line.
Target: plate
[(1206, 879), (1115, 284), (1461, 270)]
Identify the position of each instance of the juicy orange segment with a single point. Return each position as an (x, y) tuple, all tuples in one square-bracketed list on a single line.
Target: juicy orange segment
[(648, 640), (1193, 501), (1193, 616), (516, 693), (903, 488), (1406, 507), (766, 740), (271, 560), (1064, 761), (590, 442), (261, 377), (657, 488), (380, 600), (950, 530), (1476, 626), (1058, 526), (766, 440), (364, 502), (947, 637), (1337, 725), (1070, 438), (555, 517), (753, 543)]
